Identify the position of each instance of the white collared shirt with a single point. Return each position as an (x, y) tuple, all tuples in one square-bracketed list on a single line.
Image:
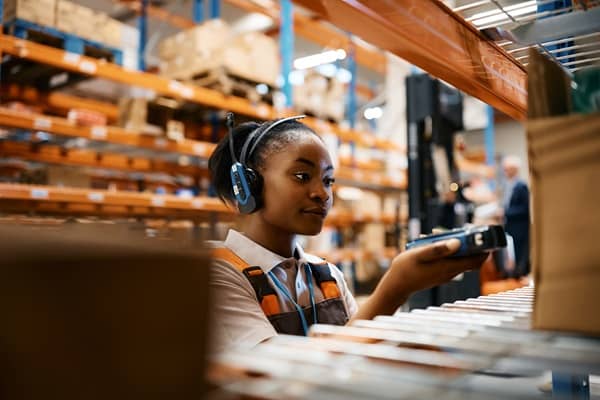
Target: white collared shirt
[(238, 318)]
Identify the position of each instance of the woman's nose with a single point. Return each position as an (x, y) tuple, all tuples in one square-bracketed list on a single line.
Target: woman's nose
[(320, 191)]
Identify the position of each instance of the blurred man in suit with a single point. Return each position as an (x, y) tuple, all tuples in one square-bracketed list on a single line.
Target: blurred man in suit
[(516, 213)]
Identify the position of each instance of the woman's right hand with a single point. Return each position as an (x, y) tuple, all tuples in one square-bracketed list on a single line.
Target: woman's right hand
[(415, 270)]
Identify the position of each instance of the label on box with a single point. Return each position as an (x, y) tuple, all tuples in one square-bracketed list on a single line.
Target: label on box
[(88, 67), (96, 197), (38, 194), (187, 92), (197, 203), (42, 123), (199, 148), (157, 202), (160, 143), (98, 132), (263, 111), (71, 58)]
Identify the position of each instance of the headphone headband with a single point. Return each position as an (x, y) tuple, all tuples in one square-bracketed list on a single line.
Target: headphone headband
[(247, 153)]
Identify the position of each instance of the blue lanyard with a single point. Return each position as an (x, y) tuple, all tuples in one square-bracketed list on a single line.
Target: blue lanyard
[(281, 286)]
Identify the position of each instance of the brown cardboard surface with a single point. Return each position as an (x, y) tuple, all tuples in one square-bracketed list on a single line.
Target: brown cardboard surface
[(565, 174), (548, 87), (564, 161), (96, 312), (569, 304)]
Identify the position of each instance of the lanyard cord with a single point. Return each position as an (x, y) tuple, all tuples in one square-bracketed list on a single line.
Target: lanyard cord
[(308, 273), (287, 294)]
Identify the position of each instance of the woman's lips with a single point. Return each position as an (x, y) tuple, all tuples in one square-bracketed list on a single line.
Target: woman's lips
[(322, 212)]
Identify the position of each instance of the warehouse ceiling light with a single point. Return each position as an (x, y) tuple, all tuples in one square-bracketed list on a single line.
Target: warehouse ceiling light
[(373, 113), (319, 59), (516, 10), (252, 22)]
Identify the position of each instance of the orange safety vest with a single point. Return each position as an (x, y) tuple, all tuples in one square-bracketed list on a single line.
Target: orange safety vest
[(265, 294)]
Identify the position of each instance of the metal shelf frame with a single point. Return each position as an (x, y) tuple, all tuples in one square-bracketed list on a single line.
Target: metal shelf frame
[(173, 88)]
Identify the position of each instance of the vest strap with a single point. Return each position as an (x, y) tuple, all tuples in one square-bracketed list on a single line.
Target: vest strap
[(325, 280), (265, 294)]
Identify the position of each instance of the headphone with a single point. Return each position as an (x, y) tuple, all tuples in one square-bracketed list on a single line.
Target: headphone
[(245, 181)]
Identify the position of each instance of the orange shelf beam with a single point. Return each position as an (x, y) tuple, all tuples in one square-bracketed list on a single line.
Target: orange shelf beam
[(104, 198), (57, 101), (83, 157), (168, 87), (78, 201), (61, 126), (429, 35)]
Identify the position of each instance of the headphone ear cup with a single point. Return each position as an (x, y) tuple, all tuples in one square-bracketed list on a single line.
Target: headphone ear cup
[(256, 185)]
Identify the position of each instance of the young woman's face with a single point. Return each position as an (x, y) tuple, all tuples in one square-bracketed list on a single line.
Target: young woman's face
[(297, 189)]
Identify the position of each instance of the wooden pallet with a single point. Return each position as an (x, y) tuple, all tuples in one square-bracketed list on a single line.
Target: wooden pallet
[(69, 42), (224, 81)]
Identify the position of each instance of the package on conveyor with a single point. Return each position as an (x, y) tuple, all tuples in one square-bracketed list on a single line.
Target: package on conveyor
[(194, 51), (564, 158), (42, 12)]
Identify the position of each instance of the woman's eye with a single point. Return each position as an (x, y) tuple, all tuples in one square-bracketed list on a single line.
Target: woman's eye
[(329, 181), (302, 176)]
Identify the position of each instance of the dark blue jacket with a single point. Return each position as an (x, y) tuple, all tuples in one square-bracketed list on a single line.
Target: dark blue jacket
[(517, 225)]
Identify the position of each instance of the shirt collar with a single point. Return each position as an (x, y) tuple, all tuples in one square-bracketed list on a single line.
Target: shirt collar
[(251, 252)]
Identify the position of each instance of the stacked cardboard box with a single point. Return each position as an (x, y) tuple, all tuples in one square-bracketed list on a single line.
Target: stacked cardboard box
[(321, 96), (564, 157), (133, 113), (194, 51), (42, 12), (212, 46), (253, 56), (87, 23)]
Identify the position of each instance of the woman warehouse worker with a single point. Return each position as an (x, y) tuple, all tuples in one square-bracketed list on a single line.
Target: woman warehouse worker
[(279, 175)]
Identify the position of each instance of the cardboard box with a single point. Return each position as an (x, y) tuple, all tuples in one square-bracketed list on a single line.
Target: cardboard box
[(59, 175), (253, 56), (564, 157), (42, 12), (565, 169), (81, 314), (133, 113), (202, 40)]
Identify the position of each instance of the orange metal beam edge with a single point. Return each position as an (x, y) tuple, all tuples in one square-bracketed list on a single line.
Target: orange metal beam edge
[(59, 101), (58, 209), (39, 193), (211, 98), (63, 127), (82, 157), (109, 134), (428, 34)]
